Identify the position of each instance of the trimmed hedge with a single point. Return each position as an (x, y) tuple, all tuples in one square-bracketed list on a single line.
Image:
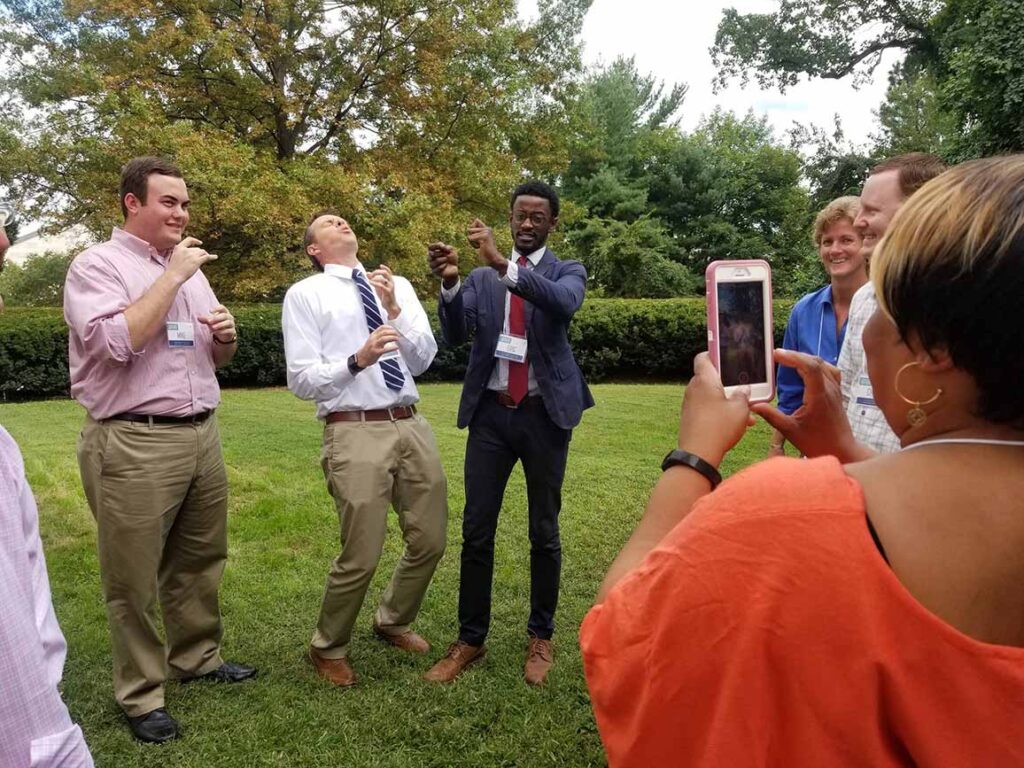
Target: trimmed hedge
[(612, 338)]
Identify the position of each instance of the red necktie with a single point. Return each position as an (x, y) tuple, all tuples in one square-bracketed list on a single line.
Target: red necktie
[(518, 373)]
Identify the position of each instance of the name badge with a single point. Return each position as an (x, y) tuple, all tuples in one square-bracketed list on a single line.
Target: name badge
[(511, 348), (181, 335), (862, 392)]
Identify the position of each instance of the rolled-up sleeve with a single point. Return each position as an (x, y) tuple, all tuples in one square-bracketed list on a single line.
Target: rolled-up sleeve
[(417, 343), (95, 299)]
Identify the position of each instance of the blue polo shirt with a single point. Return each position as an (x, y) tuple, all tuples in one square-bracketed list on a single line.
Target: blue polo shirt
[(811, 329)]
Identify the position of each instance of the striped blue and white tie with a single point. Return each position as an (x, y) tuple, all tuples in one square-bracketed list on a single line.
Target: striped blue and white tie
[(393, 375)]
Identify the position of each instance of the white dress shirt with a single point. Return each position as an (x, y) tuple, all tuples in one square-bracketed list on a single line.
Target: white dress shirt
[(35, 728), (499, 375), (324, 323), (866, 419)]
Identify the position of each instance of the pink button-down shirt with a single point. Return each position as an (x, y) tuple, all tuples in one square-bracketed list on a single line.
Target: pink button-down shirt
[(35, 728), (107, 375)]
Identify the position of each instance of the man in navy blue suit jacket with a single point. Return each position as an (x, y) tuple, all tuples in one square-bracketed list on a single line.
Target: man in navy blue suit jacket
[(522, 396)]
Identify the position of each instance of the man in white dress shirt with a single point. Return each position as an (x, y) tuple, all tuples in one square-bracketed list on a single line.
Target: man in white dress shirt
[(353, 342)]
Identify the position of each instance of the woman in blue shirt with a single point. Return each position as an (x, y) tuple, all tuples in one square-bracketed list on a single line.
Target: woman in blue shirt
[(818, 321)]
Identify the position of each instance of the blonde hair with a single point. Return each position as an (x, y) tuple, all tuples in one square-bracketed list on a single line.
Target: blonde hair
[(950, 270), (840, 209)]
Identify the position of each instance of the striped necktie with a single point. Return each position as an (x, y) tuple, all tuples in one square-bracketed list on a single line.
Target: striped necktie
[(393, 376)]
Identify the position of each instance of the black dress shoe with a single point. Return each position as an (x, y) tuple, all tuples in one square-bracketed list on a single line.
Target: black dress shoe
[(228, 672), (154, 727)]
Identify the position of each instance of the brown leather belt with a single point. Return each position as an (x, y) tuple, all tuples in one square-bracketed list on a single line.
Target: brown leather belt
[(505, 399), (146, 418), (380, 414)]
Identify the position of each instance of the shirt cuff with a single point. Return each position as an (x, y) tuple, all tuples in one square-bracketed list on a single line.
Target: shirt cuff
[(511, 276), (403, 324), (119, 340), (448, 294)]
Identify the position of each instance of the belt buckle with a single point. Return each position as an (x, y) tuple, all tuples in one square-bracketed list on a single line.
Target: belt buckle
[(391, 413)]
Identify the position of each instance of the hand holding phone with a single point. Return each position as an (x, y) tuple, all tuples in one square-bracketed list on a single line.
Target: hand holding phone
[(739, 299)]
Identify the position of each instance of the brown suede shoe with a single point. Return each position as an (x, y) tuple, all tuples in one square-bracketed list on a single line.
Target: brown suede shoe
[(405, 641), (337, 671), (458, 657), (539, 658)]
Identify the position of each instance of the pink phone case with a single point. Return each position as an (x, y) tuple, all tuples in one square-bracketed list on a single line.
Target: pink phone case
[(712, 303)]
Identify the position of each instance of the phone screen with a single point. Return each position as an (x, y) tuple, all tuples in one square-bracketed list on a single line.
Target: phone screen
[(741, 333)]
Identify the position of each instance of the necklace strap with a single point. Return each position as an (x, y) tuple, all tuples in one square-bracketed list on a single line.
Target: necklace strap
[(964, 441)]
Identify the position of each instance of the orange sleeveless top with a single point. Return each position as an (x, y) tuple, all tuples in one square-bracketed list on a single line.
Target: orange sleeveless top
[(767, 630)]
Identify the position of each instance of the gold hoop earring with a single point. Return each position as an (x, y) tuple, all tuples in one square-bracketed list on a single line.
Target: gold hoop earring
[(916, 415)]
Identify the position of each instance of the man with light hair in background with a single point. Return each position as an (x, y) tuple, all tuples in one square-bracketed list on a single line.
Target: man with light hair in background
[(886, 189)]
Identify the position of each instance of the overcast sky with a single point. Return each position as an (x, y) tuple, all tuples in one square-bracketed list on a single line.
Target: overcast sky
[(671, 38)]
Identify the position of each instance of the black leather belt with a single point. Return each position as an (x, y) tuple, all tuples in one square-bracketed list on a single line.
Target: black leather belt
[(505, 399), (146, 418)]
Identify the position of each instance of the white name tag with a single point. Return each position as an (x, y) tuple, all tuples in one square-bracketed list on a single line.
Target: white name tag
[(511, 348), (862, 392), (181, 335)]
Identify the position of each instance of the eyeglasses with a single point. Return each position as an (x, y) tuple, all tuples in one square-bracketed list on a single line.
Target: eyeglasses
[(537, 219)]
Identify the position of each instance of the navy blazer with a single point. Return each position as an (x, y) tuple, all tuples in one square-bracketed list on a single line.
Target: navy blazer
[(553, 291)]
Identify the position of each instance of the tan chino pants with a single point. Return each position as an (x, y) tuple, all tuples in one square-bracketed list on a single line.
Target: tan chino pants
[(159, 495), (369, 466)]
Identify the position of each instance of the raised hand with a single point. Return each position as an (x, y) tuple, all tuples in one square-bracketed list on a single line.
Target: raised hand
[(187, 258), (383, 282), (384, 339), (444, 262), (819, 427), (221, 323), (710, 423), (481, 237)]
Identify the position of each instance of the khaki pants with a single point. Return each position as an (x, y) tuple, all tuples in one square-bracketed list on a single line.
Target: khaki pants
[(369, 465), (159, 495)]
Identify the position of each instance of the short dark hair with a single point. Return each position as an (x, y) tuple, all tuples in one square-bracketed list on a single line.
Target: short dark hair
[(308, 237), (537, 189), (915, 169), (951, 270), (135, 176)]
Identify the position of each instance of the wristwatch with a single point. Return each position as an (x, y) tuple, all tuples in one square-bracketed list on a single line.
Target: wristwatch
[(353, 366), (694, 462)]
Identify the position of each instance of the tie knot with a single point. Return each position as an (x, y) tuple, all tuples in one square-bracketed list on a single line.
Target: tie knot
[(522, 261)]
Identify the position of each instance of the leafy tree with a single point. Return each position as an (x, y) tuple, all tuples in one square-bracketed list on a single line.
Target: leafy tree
[(912, 117), (632, 258), (39, 282), (960, 89), (730, 190), (409, 117)]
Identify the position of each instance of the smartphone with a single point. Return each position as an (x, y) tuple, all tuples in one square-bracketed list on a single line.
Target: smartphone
[(740, 325)]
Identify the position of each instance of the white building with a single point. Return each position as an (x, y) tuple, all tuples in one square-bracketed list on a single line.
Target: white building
[(75, 239)]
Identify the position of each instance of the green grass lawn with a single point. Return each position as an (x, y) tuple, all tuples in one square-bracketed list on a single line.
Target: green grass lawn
[(283, 535)]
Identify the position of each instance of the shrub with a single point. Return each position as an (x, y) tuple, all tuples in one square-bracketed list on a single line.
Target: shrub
[(629, 339)]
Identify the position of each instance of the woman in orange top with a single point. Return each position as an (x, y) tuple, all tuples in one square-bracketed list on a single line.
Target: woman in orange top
[(819, 613)]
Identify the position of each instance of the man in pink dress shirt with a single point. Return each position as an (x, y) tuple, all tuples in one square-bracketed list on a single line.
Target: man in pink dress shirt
[(35, 728), (145, 336)]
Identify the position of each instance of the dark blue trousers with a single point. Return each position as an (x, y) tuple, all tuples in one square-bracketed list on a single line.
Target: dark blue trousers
[(498, 437)]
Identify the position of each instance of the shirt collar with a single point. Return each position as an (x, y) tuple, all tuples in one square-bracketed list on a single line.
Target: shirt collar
[(340, 270), (138, 246), (534, 258)]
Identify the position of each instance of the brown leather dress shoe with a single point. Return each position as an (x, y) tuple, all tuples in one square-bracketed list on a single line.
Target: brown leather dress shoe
[(458, 656), (337, 671), (539, 658), (405, 641)]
